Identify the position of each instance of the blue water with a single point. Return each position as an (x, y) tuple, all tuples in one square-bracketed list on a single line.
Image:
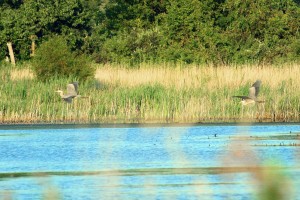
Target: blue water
[(144, 162)]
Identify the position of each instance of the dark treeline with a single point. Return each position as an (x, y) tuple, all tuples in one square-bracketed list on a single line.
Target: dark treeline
[(133, 31)]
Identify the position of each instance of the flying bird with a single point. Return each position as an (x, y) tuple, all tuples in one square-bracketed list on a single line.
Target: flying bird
[(72, 92), (252, 97)]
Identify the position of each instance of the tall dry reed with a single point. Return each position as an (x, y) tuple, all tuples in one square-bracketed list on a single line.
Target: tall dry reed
[(154, 93)]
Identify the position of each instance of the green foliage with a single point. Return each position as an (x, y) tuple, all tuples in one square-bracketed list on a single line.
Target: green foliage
[(125, 15), (137, 46), (71, 18), (262, 30), (55, 59), (11, 3), (128, 32), (188, 28), (187, 31)]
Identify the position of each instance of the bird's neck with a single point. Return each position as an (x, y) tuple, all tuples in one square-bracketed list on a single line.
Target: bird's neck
[(61, 93)]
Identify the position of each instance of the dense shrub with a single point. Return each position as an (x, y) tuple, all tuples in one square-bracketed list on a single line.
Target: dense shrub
[(54, 59), (134, 47), (187, 31), (19, 20), (263, 31)]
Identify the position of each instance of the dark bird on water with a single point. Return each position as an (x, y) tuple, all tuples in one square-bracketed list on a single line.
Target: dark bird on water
[(252, 96), (72, 92)]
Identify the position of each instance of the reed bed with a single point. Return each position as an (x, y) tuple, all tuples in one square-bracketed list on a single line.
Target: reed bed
[(153, 94)]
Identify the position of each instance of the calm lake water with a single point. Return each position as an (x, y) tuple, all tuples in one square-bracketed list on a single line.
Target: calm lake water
[(177, 162)]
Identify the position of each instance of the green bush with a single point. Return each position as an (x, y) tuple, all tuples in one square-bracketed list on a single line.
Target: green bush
[(134, 46), (54, 59)]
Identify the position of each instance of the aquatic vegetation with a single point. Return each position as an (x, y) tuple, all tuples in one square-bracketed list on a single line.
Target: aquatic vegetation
[(152, 93)]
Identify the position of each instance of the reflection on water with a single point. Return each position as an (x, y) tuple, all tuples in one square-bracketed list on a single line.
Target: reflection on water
[(188, 162)]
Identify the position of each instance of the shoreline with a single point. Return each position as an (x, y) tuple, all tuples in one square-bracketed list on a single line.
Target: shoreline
[(21, 126)]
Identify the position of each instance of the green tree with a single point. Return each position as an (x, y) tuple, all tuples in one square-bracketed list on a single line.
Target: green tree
[(199, 31), (55, 59), (11, 3), (44, 18), (128, 31), (188, 30), (264, 31)]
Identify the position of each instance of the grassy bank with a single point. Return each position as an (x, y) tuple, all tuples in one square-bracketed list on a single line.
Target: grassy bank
[(153, 93)]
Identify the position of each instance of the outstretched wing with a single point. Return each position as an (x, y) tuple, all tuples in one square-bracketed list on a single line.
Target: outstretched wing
[(72, 89), (68, 99), (242, 97), (254, 90), (75, 83)]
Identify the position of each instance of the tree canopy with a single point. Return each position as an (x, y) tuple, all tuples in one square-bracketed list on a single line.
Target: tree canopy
[(189, 31)]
